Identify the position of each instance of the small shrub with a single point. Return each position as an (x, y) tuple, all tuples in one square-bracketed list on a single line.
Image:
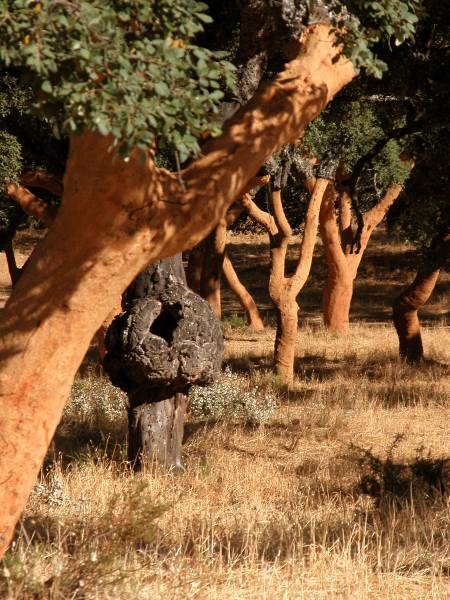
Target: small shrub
[(226, 401), (234, 320), (95, 404), (385, 479)]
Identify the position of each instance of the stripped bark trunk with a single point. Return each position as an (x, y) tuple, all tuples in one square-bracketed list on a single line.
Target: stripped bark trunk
[(342, 263), (408, 303), (114, 220), (237, 287), (31, 204), (284, 290)]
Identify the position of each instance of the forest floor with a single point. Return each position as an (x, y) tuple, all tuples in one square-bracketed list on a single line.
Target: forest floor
[(342, 492)]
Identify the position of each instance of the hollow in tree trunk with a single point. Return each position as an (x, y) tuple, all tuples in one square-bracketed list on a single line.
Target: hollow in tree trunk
[(407, 305)]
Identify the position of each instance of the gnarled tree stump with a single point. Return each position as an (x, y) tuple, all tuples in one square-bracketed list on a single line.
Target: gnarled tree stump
[(166, 340)]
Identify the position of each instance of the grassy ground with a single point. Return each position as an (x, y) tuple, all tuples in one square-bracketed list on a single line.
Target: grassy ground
[(323, 500)]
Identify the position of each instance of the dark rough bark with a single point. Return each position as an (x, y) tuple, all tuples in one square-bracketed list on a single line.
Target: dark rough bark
[(166, 340), (155, 429)]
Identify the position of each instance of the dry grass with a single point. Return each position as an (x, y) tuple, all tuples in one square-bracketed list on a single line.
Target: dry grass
[(270, 512), (273, 512)]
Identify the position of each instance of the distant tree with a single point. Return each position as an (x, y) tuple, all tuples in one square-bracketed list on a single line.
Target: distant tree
[(422, 216), (348, 131), (31, 157)]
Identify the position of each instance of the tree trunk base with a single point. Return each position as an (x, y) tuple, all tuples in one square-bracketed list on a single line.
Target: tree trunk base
[(155, 432)]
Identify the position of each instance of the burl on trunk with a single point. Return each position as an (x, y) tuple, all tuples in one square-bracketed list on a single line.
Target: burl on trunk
[(166, 340)]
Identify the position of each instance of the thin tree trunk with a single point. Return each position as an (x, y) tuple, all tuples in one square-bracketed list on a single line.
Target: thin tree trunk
[(115, 219), (194, 268), (213, 257), (407, 305), (31, 204), (248, 304), (284, 290), (13, 269)]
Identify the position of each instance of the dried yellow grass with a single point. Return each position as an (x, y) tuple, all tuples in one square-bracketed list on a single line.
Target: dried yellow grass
[(270, 512)]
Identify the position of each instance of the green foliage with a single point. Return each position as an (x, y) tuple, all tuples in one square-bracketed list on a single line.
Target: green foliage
[(364, 24), (350, 129), (127, 68)]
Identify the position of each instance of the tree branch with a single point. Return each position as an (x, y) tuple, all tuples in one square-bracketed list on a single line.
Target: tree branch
[(31, 204)]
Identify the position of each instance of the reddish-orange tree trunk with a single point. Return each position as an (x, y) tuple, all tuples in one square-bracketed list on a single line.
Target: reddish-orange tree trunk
[(213, 256), (114, 219), (407, 305), (284, 290), (13, 269), (248, 304), (342, 263)]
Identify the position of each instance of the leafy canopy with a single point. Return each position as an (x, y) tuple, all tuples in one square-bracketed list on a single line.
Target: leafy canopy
[(128, 68)]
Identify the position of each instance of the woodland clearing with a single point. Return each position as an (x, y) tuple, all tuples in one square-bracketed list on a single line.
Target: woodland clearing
[(275, 511)]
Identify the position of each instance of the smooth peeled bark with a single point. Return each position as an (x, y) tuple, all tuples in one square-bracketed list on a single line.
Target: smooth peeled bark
[(284, 290), (342, 263), (115, 218), (337, 299), (407, 305), (155, 431), (31, 204), (245, 299)]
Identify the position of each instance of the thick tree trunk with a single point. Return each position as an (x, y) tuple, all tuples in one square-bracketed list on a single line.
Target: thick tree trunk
[(337, 298), (407, 305), (286, 337), (155, 430), (237, 287), (342, 264), (114, 220)]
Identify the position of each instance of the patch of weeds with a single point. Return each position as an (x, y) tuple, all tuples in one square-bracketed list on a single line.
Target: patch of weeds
[(234, 320), (226, 401), (59, 558), (385, 479), (95, 404)]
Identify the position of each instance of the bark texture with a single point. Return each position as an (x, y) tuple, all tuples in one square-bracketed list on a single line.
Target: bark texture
[(407, 305), (117, 217), (166, 340), (284, 290), (342, 263)]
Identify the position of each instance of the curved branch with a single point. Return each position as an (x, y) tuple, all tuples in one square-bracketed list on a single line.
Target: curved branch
[(44, 180), (31, 204)]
